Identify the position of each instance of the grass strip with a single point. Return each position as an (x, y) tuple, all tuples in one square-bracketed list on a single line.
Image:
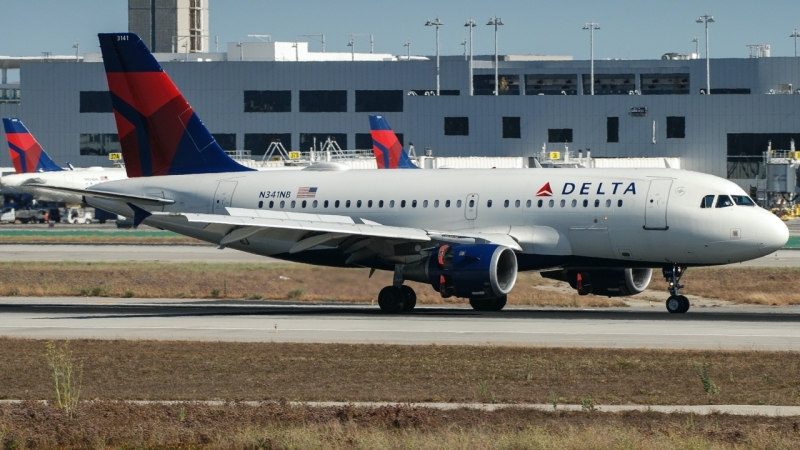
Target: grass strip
[(280, 426), (164, 370)]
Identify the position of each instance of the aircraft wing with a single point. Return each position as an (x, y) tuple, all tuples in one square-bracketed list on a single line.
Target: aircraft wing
[(359, 238), (141, 199)]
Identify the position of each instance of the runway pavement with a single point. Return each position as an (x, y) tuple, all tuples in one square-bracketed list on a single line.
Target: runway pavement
[(208, 253), (741, 328)]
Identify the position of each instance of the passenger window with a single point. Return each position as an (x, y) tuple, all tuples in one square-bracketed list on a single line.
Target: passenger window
[(516, 204), (563, 203), (380, 204), (596, 203), (325, 205), (505, 203), (391, 203), (551, 203), (608, 203), (619, 203), (488, 204), (347, 204), (436, 203), (472, 203), (585, 203), (293, 204), (447, 204), (336, 205), (283, 203), (403, 204), (528, 204), (271, 204), (723, 201), (260, 204), (315, 204), (458, 203), (304, 203), (369, 204), (424, 203), (358, 204), (413, 203), (540, 203), (708, 201), (743, 200), (574, 203)]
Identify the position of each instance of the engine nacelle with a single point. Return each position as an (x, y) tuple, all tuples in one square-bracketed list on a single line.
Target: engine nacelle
[(608, 282), (469, 271)]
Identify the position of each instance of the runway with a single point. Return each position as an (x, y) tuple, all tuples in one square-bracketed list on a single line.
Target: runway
[(211, 254), (737, 328)]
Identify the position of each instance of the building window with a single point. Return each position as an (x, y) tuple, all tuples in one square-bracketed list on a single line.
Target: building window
[(551, 85), (456, 126), (323, 101), (739, 91), (746, 152), (267, 101), (308, 140), (95, 102), (364, 140), (612, 129), (665, 83), (676, 127), (511, 128), (484, 84), (379, 101), (609, 84), (225, 140), (258, 143), (99, 144), (559, 135)]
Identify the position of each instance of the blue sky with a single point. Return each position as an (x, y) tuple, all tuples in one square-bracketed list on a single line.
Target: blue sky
[(643, 29)]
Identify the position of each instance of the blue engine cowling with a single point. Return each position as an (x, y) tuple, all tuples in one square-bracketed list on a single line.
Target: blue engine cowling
[(469, 271)]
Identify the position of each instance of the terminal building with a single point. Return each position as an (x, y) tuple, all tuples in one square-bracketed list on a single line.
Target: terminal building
[(254, 93)]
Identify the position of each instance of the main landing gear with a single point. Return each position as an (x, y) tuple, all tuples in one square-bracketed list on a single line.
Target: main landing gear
[(676, 303), (488, 304), (397, 299)]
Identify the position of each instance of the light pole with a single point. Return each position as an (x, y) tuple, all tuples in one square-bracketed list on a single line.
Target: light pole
[(696, 41), (464, 44), (352, 45), (707, 19), (77, 47), (408, 44), (471, 24), (795, 35), (496, 21), (591, 26), (436, 23)]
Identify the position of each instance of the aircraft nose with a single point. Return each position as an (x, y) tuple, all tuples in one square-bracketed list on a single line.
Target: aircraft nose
[(771, 234)]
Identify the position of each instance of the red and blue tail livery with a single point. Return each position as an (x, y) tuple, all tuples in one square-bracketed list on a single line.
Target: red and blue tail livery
[(387, 148), (159, 132), (26, 154)]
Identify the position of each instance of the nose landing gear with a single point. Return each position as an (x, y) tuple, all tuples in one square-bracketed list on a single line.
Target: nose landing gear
[(676, 303)]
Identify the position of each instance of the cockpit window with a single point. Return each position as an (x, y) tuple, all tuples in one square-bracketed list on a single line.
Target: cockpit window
[(723, 201), (743, 200), (708, 201)]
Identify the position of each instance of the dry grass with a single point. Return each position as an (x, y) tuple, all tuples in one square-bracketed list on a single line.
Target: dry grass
[(278, 426), (747, 285), (244, 281), (157, 370)]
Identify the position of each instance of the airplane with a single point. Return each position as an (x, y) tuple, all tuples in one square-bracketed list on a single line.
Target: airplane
[(34, 167), (389, 152), (466, 233)]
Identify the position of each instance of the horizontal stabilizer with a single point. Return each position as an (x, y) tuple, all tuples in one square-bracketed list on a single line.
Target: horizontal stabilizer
[(136, 199)]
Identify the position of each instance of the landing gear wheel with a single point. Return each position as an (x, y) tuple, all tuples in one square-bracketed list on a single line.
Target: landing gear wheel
[(488, 304), (684, 303), (674, 304), (410, 298), (391, 300)]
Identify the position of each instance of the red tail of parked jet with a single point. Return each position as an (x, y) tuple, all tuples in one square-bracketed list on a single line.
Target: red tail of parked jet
[(26, 154), (387, 148), (159, 132)]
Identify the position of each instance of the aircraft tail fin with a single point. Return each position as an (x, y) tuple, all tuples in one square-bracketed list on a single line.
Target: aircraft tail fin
[(159, 132), (26, 154), (389, 153)]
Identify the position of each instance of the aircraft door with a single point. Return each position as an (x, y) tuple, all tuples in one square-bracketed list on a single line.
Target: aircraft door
[(223, 196), (655, 213), (471, 207)]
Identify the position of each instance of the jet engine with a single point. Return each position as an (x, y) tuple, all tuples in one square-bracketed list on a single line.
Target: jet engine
[(469, 271), (608, 282)]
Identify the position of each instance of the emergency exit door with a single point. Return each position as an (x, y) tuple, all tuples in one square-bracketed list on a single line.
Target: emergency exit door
[(471, 207), (223, 196), (655, 215)]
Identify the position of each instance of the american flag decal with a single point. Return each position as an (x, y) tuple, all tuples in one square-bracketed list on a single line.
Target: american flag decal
[(307, 192)]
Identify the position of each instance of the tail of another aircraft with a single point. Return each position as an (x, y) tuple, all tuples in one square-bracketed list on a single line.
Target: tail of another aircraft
[(387, 148), (26, 154), (159, 132)]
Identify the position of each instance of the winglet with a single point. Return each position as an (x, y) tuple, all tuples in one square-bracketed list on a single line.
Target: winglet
[(159, 132), (389, 153), (139, 214), (26, 154)]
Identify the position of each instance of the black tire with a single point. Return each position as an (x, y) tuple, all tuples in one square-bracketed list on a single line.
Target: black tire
[(684, 303), (410, 298), (497, 304), (478, 304), (488, 304), (674, 304), (391, 300)]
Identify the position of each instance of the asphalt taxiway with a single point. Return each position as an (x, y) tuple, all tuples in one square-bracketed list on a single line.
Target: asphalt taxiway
[(734, 328)]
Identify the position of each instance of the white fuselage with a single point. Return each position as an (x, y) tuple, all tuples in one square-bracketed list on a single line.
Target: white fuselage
[(610, 217), (77, 178)]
